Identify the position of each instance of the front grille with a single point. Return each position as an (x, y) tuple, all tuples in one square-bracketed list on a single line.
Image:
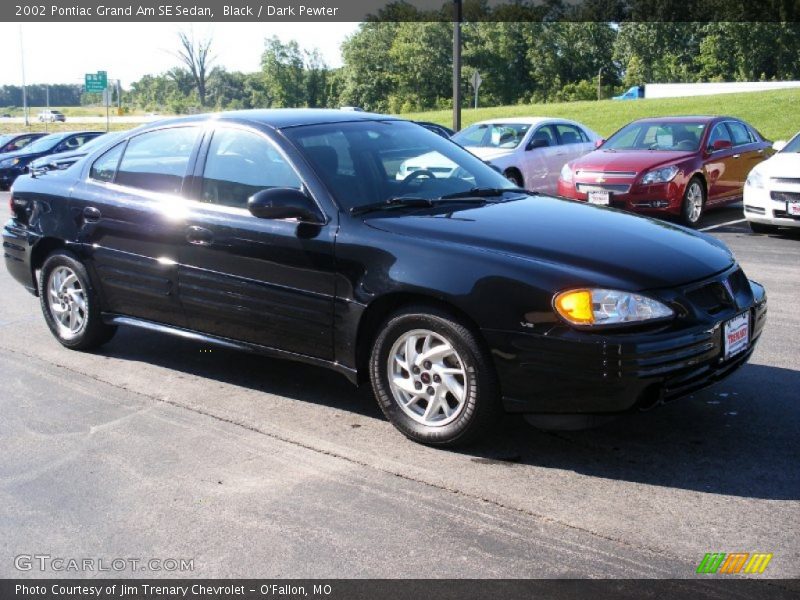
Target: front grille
[(754, 209), (782, 214), (717, 296), (619, 188), (786, 180), (605, 173), (785, 196)]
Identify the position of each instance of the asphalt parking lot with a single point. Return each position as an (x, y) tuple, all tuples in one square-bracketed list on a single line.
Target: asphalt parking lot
[(162, 447)]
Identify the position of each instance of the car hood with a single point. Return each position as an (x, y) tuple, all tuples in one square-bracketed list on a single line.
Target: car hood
[(21, 154), (488, 153), (627, 160), (591, 244), (783, 164)]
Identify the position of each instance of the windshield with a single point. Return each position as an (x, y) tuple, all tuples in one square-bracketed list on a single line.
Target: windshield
[(44, 144), (665, 136), (793, 145), (492, 135), (365, 162), (100, 140)]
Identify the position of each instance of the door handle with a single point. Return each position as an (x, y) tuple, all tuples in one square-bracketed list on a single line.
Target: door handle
[(91, 214), (199, 236), (736, 155)]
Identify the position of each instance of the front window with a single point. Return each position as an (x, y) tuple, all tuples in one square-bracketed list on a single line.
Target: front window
[(793, 145), (492, 135), (373, 161), (665, 136)]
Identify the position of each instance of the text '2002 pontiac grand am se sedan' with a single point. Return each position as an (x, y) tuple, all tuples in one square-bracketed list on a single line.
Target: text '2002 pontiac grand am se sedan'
[(287, 232)]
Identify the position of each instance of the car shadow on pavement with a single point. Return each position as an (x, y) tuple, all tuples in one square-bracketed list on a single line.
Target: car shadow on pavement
[(739, 437)]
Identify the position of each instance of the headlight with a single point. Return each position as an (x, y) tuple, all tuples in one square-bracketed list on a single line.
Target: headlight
[(755, 180), (9, 162), (566, 173), (593, 307), (662, 175)]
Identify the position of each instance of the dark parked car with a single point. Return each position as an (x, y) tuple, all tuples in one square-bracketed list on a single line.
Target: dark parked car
[(677, 166), (14, 164), (11, 142), (441, 130), (62, 160), (288, 233)]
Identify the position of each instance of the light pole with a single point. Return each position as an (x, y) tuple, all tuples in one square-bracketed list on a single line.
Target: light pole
[(24, 90), (599, 75), (457, 64)]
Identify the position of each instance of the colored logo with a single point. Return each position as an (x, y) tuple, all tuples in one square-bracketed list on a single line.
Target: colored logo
[(735, 562)]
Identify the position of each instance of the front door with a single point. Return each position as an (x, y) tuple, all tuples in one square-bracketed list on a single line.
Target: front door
[(264, 281)]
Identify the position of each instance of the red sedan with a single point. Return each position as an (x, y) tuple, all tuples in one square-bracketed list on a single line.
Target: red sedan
[(678, 166)]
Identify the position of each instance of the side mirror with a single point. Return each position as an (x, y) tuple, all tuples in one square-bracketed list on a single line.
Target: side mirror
[(283, 203), (538, 143), (599, 142), (779, 145), (721, 145)]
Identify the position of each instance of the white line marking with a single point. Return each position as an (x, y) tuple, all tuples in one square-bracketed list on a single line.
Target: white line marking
[(722, 224)]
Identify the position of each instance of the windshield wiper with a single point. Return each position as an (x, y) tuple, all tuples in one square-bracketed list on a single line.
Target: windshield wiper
[(479, 192), (389, 203)]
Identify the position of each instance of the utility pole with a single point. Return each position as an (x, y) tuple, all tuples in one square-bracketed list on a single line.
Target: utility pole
[(457, 15), (599, 75), (47, 102), (24, 89)]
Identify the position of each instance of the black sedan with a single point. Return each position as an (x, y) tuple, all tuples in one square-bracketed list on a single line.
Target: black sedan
[(11, 142), (290, 233), (14, 164), (62, 160)]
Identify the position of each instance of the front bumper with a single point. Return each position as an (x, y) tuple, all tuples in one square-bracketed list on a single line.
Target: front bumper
[(761, 207), (656, 199), (559, 370)]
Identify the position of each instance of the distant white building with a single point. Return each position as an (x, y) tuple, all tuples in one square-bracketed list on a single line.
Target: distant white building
[(680, 90)]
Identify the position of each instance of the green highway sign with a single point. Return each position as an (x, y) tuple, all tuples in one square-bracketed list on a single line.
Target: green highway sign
[(96, 82)]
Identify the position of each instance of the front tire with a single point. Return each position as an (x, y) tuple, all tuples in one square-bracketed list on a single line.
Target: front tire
[(514, 177), (432, 378), (70, 304), (694, 202)]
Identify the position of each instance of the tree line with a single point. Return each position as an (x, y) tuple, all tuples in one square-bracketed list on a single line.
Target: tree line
[(396, 67)]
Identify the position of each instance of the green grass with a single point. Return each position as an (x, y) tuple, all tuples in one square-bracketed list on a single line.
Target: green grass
[(776, 114), (69, 111), (57, 127)]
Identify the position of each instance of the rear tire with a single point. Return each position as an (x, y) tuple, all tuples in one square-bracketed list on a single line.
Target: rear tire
[(694, 203), (761, 228), (514, 177), (433, 379), (70, 304)]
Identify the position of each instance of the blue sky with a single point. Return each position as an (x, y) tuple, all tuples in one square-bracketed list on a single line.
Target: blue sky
[(63, 52)]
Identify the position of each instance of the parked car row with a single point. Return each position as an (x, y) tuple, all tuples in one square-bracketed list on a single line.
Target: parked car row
[(665, 167), (20, 151)]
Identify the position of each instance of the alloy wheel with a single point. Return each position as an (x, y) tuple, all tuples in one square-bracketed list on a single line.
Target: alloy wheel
[(427, 377), (66, 299), (694, 202)]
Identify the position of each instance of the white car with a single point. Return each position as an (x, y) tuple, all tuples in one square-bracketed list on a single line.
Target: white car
[(772, 189), (51, 116), (529, 151)]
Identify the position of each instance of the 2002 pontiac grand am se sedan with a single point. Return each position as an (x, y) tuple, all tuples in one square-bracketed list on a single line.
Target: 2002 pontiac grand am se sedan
[(288, 233)]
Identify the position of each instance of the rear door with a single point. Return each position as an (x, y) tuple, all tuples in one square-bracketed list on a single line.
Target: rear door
[(721, 166), (265, 281), (573, 143), (131, 211), (749, 151)]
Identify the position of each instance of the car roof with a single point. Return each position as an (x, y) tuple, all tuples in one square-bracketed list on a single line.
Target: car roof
[(281, 118), (522, 120), (686, 119)]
